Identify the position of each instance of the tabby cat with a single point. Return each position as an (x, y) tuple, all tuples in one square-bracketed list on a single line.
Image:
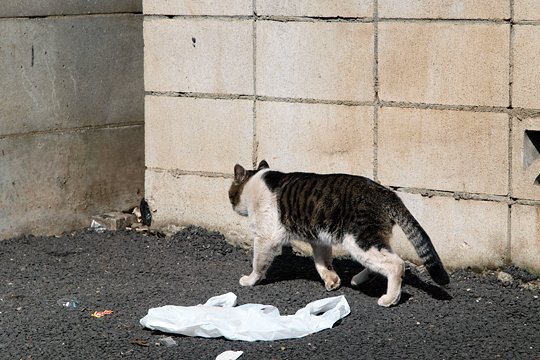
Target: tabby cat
[(326, 210)]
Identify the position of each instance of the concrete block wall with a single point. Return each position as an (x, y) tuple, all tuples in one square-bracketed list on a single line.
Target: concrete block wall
[(71, 112), (438, 100)]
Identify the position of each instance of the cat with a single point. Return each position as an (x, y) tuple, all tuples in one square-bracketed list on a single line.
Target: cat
[(326, 210)]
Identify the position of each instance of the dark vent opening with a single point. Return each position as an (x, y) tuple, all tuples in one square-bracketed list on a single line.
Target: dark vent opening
[(531, 150)]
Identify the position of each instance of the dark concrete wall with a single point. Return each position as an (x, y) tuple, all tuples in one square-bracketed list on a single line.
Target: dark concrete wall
[(71, 113)]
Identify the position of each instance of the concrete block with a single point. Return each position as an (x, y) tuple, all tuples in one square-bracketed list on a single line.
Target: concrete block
[(54, 182), (444, 63), (526, 86), (434, 9), (198, 134), (320, 8), (115, 220), (198, 55), (464, 232), (444, 150), (69, 72), (526, 10), (12, 8), (194, 200), (526, 158), (315, 60), (316, 137), (198, 7), (525, 242)]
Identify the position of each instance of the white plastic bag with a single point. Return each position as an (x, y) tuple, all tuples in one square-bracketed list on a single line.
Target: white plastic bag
[(249, 322)]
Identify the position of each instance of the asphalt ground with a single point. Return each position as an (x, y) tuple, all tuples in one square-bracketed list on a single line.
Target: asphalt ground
[(477, 317)]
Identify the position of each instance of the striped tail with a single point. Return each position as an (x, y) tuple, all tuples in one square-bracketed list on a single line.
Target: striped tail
[(421, 242)]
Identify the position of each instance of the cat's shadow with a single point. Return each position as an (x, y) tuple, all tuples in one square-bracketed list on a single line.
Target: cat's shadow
[(289, 266)]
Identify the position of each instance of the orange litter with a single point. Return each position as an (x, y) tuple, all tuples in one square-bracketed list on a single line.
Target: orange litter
[(98, 314)]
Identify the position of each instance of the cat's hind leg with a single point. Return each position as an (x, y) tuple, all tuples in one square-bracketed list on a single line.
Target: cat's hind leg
[(362, 277), (382, 261), (264, 251), (322, 255)]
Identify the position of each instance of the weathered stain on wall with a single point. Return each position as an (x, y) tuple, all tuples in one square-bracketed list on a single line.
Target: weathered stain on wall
[(71, 113), (435, 99)]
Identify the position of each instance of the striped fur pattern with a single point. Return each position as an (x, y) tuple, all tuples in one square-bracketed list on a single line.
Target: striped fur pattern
[(326, 210)]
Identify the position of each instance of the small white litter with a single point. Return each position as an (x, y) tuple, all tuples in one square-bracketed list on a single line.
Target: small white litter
[(97, 227), (249, 322), (229, 355)]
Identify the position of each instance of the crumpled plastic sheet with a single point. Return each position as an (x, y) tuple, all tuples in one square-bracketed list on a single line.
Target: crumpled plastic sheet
[(249, 322)]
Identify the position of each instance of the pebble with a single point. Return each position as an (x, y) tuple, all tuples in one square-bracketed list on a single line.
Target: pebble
[(505, 278), (167, 341)]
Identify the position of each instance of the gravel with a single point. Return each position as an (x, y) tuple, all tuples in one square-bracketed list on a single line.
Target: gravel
[(476, 317)]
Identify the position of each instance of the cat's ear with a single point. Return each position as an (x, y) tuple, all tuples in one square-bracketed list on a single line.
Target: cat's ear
[(263, 165), (239, 173)]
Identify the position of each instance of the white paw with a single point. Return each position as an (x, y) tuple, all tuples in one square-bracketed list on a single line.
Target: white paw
[(247, 281), (333, 283), (387, 300)]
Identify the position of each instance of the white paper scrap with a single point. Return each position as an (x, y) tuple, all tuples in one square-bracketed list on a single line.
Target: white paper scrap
[(229, 355)]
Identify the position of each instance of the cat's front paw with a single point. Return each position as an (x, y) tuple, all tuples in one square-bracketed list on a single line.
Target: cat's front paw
[(248, 280), (332, 282)]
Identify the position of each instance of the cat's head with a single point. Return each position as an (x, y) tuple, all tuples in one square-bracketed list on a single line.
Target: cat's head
[(241, 177)]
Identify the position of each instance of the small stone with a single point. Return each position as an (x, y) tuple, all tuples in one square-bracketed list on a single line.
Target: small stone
[(170, 230), (140, 342), (136, 225), (505, 278), (167, 341), (532, 286), (142, 228)]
